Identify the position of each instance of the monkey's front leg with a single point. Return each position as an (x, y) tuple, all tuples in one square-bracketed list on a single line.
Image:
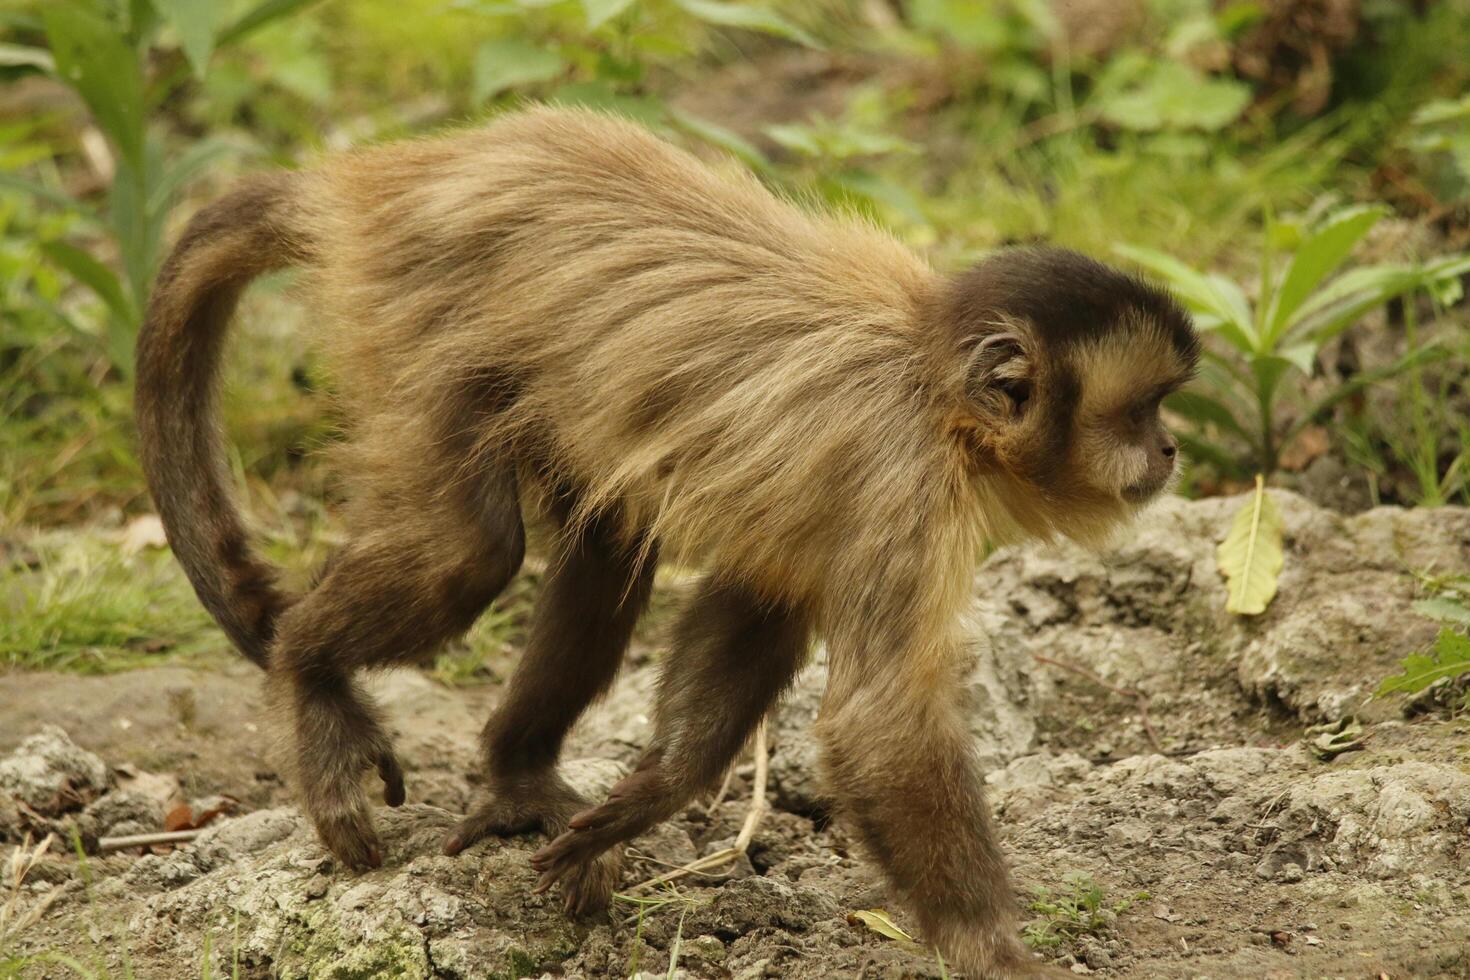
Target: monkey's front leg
[(733, 655), (901, 766)]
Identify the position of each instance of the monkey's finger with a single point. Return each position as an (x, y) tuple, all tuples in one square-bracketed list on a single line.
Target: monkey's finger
[(555, 853), (595, 818)]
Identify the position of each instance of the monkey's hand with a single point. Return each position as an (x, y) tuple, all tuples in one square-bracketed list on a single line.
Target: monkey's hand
[(631, 808), (543, 802)]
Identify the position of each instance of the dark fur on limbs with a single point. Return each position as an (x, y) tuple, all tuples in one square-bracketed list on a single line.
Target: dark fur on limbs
[(592, 596), (732, 656)]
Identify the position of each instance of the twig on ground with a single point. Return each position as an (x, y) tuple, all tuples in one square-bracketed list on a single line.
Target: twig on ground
[(1138, 697), (106, 844), (724, 788), (747, 829)]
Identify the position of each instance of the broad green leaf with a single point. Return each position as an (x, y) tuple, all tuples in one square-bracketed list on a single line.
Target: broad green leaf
[(1340, 303), (1203, 409), (93, 58), (1382, 281), (196, 22), (511, 62), (1443, 610), (880, 922), (92, 274), (1303, 356), (1269, 369), (1447, 267), (1449, 658), (263, 13), (746, 16), (1342, 307), (1251, 555), (599, 12), (1316, 257), (1213, 295), (796, 138), (867, 186)]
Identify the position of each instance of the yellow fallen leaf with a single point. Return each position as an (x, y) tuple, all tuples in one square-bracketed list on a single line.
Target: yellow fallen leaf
[(1251, 555)]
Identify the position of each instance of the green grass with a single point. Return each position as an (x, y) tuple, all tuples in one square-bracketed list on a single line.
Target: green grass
[(487, 652), (74, 601), (1079, 908)]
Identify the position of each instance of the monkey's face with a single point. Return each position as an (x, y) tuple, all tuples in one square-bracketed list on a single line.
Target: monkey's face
[(1082, 425), (1065, 364)]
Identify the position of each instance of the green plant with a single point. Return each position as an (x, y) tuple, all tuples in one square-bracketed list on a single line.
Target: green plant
[(600, 53), (102, 51), (77, 603), (835, 158), (501, 627), (1448, 604), (1439, 131), (1080, 908), (1298, 308), (1424, 433)]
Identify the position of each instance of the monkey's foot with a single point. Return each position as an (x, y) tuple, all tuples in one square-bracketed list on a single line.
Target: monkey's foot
[(348, 833), (997, 953), (591, 837), (339, 810)]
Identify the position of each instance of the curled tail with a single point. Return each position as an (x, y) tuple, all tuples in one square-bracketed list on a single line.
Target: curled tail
[(229, 243)]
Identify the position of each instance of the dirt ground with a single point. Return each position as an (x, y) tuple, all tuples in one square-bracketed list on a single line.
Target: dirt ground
[(1182, 785)]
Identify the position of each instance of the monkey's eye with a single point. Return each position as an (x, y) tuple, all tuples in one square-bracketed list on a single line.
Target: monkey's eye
[(1018, 390), (1146, 410)]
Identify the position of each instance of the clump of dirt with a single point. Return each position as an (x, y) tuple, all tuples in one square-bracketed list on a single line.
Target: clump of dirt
[(1149, 767)]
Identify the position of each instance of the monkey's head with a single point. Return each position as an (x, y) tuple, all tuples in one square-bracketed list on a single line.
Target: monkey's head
[(1063, 363)]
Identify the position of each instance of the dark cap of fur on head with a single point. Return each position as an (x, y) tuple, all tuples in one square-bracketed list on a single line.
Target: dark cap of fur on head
[(1068, 298)]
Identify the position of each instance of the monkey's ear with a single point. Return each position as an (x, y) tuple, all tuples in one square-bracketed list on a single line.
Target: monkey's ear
[(999, 371)]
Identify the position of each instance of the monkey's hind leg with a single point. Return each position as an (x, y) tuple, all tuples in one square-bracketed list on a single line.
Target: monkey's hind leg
[(733, 656), (420, 570), (592, 596)]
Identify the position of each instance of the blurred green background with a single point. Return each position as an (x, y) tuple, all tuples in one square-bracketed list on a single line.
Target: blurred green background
[(1298, 170)]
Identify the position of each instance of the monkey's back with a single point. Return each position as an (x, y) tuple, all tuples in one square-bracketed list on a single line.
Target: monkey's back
[(661, 336)]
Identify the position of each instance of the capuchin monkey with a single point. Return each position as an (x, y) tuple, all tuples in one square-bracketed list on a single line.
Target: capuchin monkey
[(562, 316)]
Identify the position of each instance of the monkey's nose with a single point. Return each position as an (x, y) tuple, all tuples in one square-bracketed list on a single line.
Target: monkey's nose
[(1169, 450)]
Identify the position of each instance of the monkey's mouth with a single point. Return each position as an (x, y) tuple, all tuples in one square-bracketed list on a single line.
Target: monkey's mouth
[(1143, 492)]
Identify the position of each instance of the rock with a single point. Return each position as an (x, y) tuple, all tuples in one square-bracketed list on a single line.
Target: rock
[(51, 774), (1388, 820), (759, 902)]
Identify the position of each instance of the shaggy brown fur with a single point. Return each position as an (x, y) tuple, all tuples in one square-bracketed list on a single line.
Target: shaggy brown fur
[(666, 359)]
